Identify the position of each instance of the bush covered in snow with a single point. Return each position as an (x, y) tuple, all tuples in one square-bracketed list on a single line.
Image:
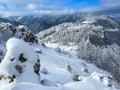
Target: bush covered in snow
[(75, 77), (103, 78), (8, 30), (24, 33), (84, 69), (68, 67), (44, 71), (38, 50), (58, 49)]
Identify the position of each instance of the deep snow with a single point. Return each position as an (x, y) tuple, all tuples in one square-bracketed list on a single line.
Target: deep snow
[(57, 77)]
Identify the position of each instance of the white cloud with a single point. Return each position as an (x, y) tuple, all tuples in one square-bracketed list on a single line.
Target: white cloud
[(21, 1), (35, 12), (110, 3), (32, 6), (62, 11), (108, 7), (15, 13), (17, 7)]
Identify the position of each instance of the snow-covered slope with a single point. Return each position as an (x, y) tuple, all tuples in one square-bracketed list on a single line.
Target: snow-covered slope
[(60, 69), (97, 40), (102, 20), (93, 30)]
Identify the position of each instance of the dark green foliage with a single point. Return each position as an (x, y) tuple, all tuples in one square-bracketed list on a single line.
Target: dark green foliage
[(19, 68), (22, 59), (44, 71), (68, 68), (36, 68), (75, 77), (11, 78)]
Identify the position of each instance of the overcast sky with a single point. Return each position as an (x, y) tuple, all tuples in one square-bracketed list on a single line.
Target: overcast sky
[(37, 7)]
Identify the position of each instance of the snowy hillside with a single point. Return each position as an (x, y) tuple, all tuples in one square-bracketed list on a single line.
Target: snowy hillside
[(97, 41), (98, 28), (59, 69)]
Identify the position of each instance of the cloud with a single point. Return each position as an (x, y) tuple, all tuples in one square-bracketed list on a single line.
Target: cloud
[(110, 3), (21, 1), (17, 7), (35, 12), (32, 6), (55, 12), (110, 7)]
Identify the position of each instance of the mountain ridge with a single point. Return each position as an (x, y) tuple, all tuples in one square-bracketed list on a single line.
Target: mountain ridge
[(39, 23)]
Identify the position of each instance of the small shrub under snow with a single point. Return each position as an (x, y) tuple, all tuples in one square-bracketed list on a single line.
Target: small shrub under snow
[(68, 67), (84, 69), (58, 50), (38, 50), (44, 71), (75, 77), (105, 79)]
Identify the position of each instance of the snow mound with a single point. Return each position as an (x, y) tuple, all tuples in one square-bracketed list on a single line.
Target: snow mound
[(16, 46), (20, 63)]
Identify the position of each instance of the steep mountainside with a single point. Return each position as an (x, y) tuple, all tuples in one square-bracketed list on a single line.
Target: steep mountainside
[(39, 23), (15, 23), (101, 30), (97, 39)]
